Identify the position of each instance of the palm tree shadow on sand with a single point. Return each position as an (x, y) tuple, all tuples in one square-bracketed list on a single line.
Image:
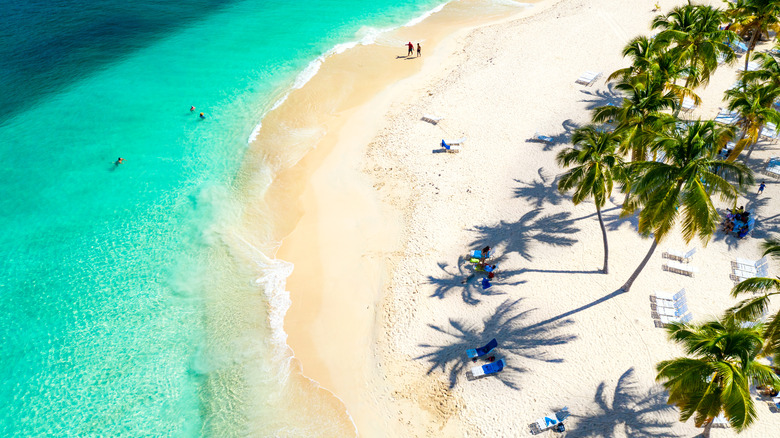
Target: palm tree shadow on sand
[(515, 341), (464, 279), (541, 191), (552, 229), (638, 413), (569, 126), (599, 98)]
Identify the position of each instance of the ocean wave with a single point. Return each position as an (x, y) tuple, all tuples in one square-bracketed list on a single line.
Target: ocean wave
[(418, 20)]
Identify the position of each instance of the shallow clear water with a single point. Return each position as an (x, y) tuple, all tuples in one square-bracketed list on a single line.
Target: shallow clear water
[(123, 310)]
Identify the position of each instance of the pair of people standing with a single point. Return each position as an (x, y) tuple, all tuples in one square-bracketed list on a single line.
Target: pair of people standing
[(411, 49)]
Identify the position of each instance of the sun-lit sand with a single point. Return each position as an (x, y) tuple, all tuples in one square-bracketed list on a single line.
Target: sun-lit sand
[(380, 316)]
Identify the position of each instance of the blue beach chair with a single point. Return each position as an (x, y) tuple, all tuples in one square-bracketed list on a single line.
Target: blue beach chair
[(543, 138), (474, 353), (450, 147), (487, 369)]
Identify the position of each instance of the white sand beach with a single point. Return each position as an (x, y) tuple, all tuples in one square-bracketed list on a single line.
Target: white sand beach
[(380, 316)]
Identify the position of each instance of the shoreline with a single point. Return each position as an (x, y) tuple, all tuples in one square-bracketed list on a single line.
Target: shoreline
[(290, 185)]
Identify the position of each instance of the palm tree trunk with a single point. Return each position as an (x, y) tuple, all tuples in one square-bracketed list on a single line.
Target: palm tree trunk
[(753, 144), (707, 428), (604, 236), (641, 266), (756, 32)]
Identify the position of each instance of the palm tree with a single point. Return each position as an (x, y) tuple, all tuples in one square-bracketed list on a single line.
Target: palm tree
[(597, 166), (761, 290), (643, 52), (753, 18), (681, 186), (754, 103), (717, 375), (639, 112), (698, 41), (769, 72)]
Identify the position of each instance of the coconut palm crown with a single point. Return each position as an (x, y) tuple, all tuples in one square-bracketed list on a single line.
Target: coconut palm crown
[(680, 186), (697, 39), (595, 166), (717, 373)]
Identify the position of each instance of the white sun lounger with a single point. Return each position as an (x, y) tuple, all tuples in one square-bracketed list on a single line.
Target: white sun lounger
[(588, 78), (457, 142), (550, 420), (669, 319), (679, 255), (432, 119), (660, 302), (688, 104), (727, 117), (769, 131), (752, 66), (680, 268), (671, 297), (720, 421)]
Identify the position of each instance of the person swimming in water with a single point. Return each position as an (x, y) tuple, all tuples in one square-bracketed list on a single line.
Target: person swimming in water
[(202, 116), (119, 161)]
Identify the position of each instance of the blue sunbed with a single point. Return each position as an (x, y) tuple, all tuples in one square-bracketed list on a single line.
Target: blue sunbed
[(490, 368), (474, 353)]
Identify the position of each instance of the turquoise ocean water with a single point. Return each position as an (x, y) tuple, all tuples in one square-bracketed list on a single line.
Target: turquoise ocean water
[(116, 286)]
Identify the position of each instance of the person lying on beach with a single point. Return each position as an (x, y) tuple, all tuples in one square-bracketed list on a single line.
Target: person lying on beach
[(728, 227), (485, 253)]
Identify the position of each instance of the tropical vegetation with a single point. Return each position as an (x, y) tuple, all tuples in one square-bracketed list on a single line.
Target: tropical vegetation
[(597, 166), (715, 376), (672, 172)]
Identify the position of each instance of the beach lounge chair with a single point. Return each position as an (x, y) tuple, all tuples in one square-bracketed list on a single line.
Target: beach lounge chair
[(431, 119), (772, 167), (670, 319), (588, 78), (543, 138), (481, 351), (679, 255), (549, 421), (680, 268), (769, 131), (671, 297), (720, 421), (752, 66), (727, 117), (488, 368), (476, 255), (458, 142), (679, 304), (450, 147), (688, 104)]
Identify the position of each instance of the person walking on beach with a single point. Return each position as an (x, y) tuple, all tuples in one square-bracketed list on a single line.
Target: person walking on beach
[(419, 50), (761, 188), (411, 48)]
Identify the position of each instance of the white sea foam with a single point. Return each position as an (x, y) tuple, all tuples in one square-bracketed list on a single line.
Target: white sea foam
[(425, 15)]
